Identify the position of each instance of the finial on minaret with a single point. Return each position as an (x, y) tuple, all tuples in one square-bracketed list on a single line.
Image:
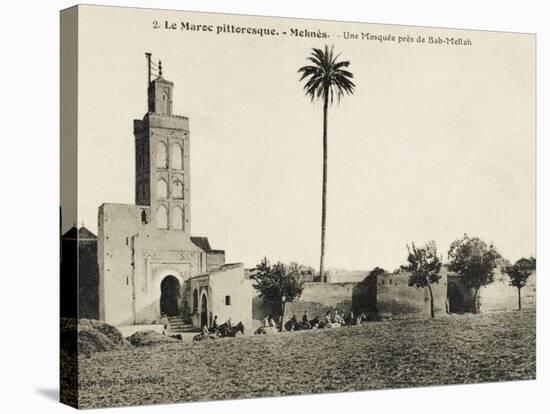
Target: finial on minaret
[(148, 56), (160, 67)]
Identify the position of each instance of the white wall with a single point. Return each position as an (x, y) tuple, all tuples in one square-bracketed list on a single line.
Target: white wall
[(231, 282)]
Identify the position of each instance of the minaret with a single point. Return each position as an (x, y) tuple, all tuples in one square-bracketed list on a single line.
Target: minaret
[(162, 157)]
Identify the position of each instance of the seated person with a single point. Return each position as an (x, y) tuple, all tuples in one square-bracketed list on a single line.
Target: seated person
[(337, 318), (305, 318), (205, 331), (266, 322)]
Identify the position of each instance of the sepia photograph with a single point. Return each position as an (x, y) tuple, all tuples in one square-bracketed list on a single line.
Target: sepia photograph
[(262, 206)]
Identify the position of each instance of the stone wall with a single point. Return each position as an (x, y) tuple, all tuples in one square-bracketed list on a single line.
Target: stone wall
[(500, 296), (497, 296), (396, 299), (231, 296)]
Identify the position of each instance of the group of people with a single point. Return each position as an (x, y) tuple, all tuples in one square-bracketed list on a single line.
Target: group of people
[(332, 319), (350, 318), (269, 322), (335, 319)]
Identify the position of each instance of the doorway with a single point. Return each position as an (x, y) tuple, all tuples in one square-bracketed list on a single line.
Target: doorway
[(169, 296), (455, 298), (204, 310)]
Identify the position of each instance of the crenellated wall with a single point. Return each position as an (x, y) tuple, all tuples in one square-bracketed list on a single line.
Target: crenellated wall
[(390, 296)]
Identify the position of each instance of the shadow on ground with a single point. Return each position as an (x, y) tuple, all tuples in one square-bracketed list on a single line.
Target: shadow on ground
[(51, 394)]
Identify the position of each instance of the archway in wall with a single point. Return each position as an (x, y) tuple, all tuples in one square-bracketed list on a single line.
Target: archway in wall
[(169, 296), (455, 298), (204, 310), (195, 301)]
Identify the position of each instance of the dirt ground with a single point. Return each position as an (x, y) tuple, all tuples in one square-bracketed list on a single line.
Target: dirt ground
[(453, 349)]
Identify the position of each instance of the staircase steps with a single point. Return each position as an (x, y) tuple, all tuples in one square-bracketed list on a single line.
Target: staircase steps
[(176, 325)]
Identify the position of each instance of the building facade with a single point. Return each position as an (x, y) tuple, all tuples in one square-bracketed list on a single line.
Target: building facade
[(147, 259)]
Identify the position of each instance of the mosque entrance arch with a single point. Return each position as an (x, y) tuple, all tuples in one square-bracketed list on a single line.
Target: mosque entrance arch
[(455, 298), (204, 310), (170, 296)]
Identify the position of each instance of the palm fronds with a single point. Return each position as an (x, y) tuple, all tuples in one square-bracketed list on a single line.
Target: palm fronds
[(326, 77)]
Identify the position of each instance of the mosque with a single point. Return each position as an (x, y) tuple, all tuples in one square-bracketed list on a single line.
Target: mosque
[(149, 267)]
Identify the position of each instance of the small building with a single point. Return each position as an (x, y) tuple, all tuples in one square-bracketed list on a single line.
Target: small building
[(223, 294), (79, 274)]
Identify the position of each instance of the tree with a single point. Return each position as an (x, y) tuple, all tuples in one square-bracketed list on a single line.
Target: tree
[(424, 266), (475, 261), (279, 283), (326, 78), (519, 272)]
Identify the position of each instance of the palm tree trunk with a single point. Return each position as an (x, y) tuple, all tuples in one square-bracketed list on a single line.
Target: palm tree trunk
[(324, 196)]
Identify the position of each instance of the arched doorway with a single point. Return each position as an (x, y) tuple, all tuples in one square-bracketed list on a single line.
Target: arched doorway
[(204, 310), (195, 301), (169, 296), (455, 298)]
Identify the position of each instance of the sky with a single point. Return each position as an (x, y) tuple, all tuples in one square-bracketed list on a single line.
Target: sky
[(437, 140)]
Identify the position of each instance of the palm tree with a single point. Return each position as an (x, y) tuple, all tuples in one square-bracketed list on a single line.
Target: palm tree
[(326, 78)]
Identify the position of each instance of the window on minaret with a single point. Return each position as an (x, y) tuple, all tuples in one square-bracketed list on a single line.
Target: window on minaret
[(164, 109), (162, 155), (162, 188), (162, 217), (177, 189), (177, 218), (176, 157)]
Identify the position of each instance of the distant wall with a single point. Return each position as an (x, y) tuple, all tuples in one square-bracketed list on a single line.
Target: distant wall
[(500, 296), (318, 298), (346, 276), (395, 298)]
